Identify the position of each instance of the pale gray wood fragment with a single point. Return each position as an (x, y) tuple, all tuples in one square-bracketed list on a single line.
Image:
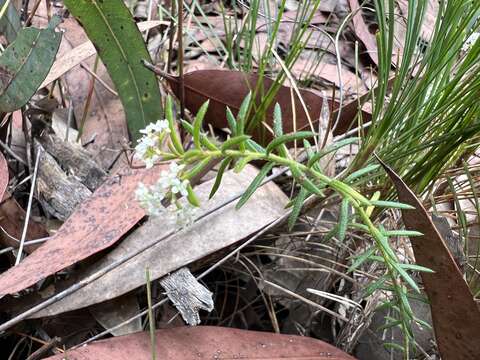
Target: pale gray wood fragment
[(75, 160), (187, 294), (58, 192)]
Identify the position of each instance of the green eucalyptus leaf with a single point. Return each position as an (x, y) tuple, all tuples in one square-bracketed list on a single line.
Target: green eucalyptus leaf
[(10, 24), (25, 63), (119, 43)]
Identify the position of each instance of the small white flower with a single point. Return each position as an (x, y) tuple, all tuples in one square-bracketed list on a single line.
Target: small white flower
[(178, 186), (156, 128), (185, 215), (149, 199)]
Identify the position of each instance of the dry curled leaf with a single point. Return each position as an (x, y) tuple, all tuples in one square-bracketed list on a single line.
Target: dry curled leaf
[(97, 224), (456, 317), (207, 342), (204, 84)]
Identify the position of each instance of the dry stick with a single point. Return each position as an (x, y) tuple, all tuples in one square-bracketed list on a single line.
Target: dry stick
[(180, 59), (12, 153), (29, 208), (89, 99), (100, 81), (172, 35), (28, 22)]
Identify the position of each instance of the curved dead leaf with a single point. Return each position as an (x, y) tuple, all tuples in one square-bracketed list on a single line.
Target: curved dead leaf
[(207, 342), (97, 224), (205, 84), (456, 317)]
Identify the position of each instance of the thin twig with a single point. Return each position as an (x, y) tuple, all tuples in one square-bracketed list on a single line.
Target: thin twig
[(29, 208), (100, 81), (28, 22), (180, 60), (12, 153)]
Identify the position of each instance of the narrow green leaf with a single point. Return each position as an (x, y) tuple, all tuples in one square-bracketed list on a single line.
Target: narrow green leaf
[(242, 162), (415, 267), (25, 64), (197, 169), (405, 276), (218, 179), (232, 123), (391, 204), (110, 26), (334, 147), (359, 260), (254, 146), (277, 121), (297, 207), (230, 143), (359, 173), (171, 125), (303, 180), (197, 124), (192, 197), (254, 185), (242, 113), (203, 139), (343, 220), (288, 138), (408, 233)]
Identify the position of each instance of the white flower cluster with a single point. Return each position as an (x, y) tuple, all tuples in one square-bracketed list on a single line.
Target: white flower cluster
[(148, 146), (151, 197)]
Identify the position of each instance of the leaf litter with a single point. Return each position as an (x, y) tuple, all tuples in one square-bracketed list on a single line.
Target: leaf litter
[(270, 278)]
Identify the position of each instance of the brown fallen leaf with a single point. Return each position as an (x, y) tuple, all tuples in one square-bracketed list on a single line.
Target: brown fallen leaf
[(71, 58), (220, 230), (12, 216), (207, 342), (428, 25), (362, 32), (204, 84), (97, 224), (456, 317)]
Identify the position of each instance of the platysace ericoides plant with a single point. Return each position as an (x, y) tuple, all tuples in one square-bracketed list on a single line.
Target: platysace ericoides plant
[(238, 151)]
